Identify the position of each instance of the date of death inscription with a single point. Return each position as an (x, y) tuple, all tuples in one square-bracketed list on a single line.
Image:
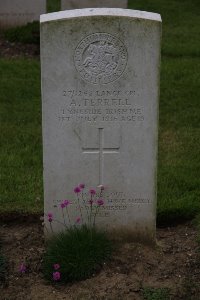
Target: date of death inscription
[(100, 106)]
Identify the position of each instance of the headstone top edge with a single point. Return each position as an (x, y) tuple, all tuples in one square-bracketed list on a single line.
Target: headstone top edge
[(86, 12)]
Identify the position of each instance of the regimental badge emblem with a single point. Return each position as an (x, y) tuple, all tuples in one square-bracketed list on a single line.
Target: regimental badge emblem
[(100, 58)]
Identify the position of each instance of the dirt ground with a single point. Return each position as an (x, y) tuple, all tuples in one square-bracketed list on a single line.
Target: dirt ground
[(174, 263)]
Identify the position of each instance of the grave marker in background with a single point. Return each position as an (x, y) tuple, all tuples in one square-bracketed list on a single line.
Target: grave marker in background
[(100, 90), (19, 12), (75, 4)]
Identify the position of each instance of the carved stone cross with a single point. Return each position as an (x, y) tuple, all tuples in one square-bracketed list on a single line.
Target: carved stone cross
[(101, 150)]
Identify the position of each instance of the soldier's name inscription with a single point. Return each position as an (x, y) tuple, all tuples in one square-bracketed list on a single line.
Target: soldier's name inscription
[(101, 105)]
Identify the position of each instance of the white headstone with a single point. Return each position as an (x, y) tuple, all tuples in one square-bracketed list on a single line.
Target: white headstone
[(100, 91), (74, 4), (19, 12)]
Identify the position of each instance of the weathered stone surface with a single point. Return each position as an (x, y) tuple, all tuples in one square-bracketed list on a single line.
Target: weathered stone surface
[(20, 12), (100, 90), (75, 4)]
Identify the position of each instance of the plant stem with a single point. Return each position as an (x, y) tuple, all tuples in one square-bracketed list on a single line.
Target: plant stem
[(68, 216), (80, 208), (91, 203), (83, 201), (64, 218), (51, 227), (97, 209)]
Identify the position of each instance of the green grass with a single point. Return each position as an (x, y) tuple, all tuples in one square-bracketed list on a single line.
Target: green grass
[(80, 252), (53, 5), (27, 34), (21, 151), (181, 24), (179, 151)]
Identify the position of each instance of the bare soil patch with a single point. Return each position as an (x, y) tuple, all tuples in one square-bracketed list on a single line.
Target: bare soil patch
[(174, 263)]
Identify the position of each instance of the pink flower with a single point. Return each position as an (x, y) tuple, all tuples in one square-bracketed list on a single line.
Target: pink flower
[(78, 220), (100, 202), (56, 266), (50, 215), (22, 268), (62, 205), (101, 187), (66, 202), (77, 190), (50, 219), (82, 185), (90, 202), (92, 192), (56, 276)]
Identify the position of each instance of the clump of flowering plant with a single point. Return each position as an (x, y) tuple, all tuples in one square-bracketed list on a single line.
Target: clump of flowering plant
[(80, 252), (87, 209), (80, 249)]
